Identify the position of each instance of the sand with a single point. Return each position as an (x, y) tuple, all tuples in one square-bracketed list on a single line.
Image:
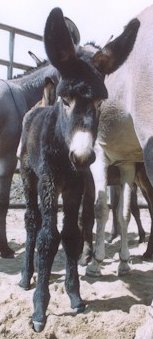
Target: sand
[(115, 306)]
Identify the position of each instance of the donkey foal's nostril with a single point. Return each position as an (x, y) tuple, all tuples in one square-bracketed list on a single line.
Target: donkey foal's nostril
[(81, 162), (72, 157)]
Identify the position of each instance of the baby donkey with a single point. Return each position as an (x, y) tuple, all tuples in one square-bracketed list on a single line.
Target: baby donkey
[(57, 150)]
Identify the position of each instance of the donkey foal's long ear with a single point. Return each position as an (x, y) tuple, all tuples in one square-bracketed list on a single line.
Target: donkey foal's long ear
[(73, 30), (58, 42), (115, 52)]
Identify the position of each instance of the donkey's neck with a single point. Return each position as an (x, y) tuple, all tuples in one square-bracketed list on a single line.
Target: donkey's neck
[(33, 91), (32, 85)]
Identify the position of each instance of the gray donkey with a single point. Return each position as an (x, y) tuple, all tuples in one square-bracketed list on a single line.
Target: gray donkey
[(17, 96)]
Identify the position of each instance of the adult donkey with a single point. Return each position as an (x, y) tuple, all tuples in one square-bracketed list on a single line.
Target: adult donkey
[(125, 136), (57, 150), (17, 96)]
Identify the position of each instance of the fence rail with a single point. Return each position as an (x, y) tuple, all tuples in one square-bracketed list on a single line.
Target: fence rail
[(10, 64)]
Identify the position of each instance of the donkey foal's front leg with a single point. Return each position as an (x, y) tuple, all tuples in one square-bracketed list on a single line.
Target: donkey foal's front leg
[(71, 239), (47, 246)]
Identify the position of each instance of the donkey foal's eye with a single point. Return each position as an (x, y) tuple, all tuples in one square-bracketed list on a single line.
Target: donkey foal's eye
[(66, 102)]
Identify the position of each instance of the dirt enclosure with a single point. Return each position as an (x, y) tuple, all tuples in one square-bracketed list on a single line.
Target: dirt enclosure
[(115, 306)]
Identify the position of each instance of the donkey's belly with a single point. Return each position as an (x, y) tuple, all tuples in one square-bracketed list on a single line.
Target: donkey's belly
[(119, 141), (118, 153)]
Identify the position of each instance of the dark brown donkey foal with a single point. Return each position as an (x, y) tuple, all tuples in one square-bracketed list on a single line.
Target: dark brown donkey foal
[(57, 150)]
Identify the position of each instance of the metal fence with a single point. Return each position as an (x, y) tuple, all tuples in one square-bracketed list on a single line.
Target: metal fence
[(10, 64)]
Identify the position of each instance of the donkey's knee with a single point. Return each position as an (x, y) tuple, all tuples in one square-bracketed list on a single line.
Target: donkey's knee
[(72, 243), (101, 209), (101, 215), (48, 242)]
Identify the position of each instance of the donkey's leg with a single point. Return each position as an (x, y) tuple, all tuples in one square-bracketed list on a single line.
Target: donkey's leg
[(32, 225), (136, 213), (71, 239), (99, 171), (147, 191), (7, 168), (127, 178), (114, 200), (87, 219), (47, 245)]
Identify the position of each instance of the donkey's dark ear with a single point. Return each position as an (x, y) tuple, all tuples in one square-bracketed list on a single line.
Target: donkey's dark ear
[(49, 94), (74, 32), (38, 61), (115, 52), (58, 43)]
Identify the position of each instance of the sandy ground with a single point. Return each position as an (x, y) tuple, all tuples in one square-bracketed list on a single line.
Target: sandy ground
[(116, 306)]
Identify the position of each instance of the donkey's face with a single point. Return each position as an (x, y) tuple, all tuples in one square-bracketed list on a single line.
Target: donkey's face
[(81, 86), (80, 122), (80, 95)]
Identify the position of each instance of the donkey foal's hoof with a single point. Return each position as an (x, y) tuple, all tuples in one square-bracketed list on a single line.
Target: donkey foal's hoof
[(25, 285), (38, 326), (79, 309)]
